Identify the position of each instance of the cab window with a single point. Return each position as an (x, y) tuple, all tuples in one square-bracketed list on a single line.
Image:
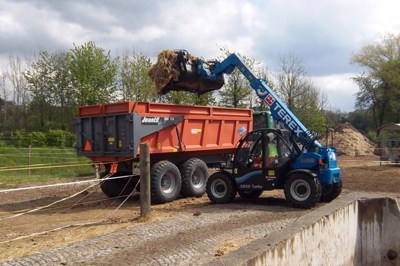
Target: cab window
[(250, 147)]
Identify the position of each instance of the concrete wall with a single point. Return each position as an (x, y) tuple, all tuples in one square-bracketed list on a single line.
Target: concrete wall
[(378, 241), (353, 230)]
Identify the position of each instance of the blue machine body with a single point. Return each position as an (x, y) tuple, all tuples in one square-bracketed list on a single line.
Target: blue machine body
[(321, 160)]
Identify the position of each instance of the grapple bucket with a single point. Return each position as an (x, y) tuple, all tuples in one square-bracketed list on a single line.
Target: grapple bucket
[(180, 72)]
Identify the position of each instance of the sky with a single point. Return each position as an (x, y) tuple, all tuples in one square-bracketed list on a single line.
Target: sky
[(322, 34)]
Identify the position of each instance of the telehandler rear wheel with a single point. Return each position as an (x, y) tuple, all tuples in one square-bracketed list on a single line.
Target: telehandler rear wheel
[(331, 192), (221, 188), (194, 178), (302, 190)]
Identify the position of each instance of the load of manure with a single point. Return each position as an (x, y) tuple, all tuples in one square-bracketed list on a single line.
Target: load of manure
[(165, 70), (179, 71)]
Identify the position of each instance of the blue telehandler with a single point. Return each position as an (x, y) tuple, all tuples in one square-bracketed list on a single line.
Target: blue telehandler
[(289, 158)]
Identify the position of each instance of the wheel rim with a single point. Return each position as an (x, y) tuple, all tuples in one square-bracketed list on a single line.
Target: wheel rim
[(198, 179), (218, 188), (168, 182), (300, 190)]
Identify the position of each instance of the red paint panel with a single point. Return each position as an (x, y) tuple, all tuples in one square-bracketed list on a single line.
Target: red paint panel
[(203, 128)]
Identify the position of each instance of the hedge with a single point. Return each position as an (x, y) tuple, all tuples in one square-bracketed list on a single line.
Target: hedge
[(52, 138)]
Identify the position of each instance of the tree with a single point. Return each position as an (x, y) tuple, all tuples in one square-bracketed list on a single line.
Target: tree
[(183, 97), (256, 103), (380, 83), (236, 91), (53, 100), (303, 98), (17, 113), (205, 99), (92, 73), (3, 102), (61, 82), (135, 82), (361, 120), (336, 117)]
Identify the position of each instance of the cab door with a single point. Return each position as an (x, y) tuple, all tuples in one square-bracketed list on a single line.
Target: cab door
[(262, 160), (280, 156), (248, 162)]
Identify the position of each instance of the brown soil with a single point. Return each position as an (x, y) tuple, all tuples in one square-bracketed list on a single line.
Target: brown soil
[(91, 213)]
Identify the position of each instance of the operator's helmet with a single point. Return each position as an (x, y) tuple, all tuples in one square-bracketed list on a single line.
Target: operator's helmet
[(271, 137)]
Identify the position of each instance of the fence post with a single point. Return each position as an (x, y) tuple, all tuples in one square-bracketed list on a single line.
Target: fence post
[(29, 159), (144, 181)]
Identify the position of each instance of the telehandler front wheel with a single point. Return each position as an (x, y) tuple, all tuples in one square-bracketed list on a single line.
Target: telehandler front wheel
[(302, 190), (221, 188), (331, 192)]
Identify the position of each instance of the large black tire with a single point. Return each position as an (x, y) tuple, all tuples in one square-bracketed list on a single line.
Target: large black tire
[(194, 178), (250, 194), (302, 190), (117, 187), (221, 188), (331, 192), (165, 182)]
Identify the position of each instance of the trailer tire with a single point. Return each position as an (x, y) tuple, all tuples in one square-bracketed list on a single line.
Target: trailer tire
[(194, 178), (331, 192), (117, 187), (250, 194), (165, 182), (302, 190), (221, 188)]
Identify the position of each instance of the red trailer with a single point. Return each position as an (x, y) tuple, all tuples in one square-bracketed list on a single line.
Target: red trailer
[(184, 141)]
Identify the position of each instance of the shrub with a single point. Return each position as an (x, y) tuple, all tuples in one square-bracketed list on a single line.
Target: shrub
[(53, 138), (60, 139), (21, 139), (37, 139), (371, 135), (2, 140), (70, 139), (56, 138)]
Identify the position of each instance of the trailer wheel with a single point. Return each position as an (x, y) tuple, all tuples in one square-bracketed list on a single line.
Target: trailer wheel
[(194, 178), (250, 194), (331, 192), (221, 188), (165, 182), (117, 187), (302, 190)]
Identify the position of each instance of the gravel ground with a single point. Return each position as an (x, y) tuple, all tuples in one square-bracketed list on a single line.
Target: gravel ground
[(188, 231), (196, 238)]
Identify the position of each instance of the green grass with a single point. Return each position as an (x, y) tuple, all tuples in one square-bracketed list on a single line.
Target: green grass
[(23, 165)]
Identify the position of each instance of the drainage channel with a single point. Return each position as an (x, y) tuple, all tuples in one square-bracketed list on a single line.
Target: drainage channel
[(358, 229)]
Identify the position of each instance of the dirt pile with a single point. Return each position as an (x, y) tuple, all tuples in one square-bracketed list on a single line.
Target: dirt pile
[(349, 141), (164, 70)]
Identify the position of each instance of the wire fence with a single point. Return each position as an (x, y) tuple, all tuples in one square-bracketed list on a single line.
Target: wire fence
[(54, 209), (30, 165), (24, 165)]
